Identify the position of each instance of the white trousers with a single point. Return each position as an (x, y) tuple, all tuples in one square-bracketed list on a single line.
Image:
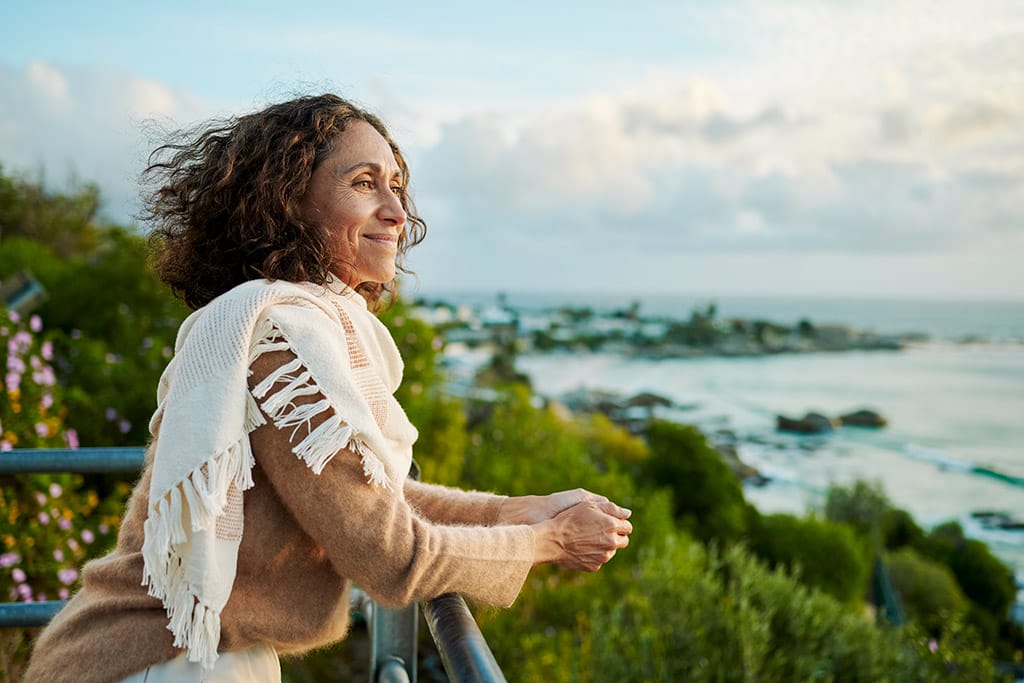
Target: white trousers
[(256, 665)]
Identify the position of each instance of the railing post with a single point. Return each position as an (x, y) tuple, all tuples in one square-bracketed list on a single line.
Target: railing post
[(393, 644)]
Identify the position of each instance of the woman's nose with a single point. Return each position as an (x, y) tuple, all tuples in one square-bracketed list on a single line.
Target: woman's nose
[(392, 209)]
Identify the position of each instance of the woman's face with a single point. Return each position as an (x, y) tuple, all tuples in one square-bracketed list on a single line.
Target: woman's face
[(355, 194)]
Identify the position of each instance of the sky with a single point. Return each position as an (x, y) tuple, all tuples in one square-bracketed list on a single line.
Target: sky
[(863, 148)]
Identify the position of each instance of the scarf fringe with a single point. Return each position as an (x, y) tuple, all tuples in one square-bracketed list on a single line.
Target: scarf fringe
[(197, 501), (333, 435)]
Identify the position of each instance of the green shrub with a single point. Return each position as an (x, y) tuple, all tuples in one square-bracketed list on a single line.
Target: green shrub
[(696, 615), (927, 590), (707, 496), (825, 555)]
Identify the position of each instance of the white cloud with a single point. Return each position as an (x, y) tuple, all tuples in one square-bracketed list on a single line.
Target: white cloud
[(875, 133), (85, 123)]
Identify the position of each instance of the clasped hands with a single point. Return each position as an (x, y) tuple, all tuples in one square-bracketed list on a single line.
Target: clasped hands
[(576, 529)]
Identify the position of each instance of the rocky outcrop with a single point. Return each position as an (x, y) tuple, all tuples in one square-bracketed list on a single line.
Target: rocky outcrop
[(816, 423), (863, 418), (811, 423)]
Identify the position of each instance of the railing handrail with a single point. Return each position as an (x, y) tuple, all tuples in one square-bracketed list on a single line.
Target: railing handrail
[(78, 460), (462, 647)]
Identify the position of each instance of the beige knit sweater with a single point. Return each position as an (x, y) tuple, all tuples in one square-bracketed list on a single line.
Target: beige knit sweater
[(306, 538)]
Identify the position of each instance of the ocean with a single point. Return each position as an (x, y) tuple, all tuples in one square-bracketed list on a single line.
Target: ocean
[(955, 403)]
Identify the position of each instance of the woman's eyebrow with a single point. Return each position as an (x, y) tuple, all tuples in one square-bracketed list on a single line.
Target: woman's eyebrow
[(370, 165)]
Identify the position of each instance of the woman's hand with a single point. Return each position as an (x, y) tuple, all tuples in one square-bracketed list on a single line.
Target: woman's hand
[(584, 536), (534, 509)]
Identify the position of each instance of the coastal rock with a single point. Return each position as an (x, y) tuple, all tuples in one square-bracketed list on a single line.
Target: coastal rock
[(863, 418), (743, 471), (811, 423), (996, 519)]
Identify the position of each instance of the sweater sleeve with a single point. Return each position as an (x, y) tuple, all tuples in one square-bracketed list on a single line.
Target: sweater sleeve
[(445, 505), (372, 535)]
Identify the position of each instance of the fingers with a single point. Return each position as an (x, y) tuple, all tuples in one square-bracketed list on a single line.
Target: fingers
[(614, 510)]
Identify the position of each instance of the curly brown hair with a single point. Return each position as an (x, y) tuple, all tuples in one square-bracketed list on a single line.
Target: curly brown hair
[(225, 200)]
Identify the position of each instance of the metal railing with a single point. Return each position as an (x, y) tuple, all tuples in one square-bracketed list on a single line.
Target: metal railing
[(393, 632)]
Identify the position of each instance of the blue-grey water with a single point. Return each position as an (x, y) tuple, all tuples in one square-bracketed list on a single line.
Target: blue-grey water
[(997, 320), (955, 442)]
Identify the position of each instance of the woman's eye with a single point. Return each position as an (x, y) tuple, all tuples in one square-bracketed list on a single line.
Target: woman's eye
[(368, 184), (397, 190)]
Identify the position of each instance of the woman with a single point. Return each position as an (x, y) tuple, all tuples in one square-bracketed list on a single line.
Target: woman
[(277, 473)]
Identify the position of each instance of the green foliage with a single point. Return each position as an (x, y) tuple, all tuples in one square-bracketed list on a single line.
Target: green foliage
[(708, 498), (927, 590), (114, 322), (64, 221), (814, 549), (696, 615), (523, 449), (900, 530), (440, 450), (863, 506), (985, 580)]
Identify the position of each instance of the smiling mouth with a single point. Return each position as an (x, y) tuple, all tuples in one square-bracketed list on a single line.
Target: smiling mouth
[(383, 239)]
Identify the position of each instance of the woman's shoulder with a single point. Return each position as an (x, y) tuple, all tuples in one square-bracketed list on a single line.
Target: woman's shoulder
[(262, 294)]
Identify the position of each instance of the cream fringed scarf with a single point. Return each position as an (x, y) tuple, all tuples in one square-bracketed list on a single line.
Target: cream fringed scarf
[(203, 459)]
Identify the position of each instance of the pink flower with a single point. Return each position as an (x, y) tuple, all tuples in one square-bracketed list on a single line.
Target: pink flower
[(124, 426), (46, 350), (933, 646), (35, 323), (63, 593), (72, 438), (44, 377), (25, 591), (73, 544), (67, 576), (42, 429), (44, 518), (40, 497), (110, 414), (13, 316), (21, 340), (55, 490), (15, 364), (5, 445), (9, 559), (41, 597), (18, 575), (104, 528), (64, 524), (13, 381), (46, 401), (58, 555), (88, 536)]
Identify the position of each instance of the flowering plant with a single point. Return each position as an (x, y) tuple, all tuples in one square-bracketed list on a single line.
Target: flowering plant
[(49, 524)]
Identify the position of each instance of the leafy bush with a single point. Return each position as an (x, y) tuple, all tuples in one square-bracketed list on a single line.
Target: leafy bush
[(708, 498), (825, 555), (927, 590), (692, 614), (863, 506)]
